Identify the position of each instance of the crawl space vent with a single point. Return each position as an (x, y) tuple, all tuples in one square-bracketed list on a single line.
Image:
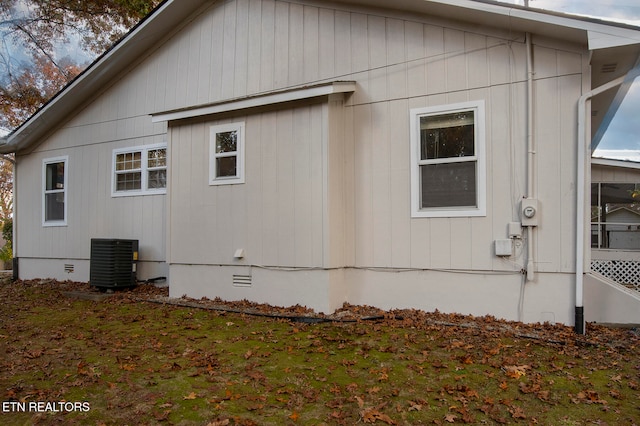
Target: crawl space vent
[(242, 280)]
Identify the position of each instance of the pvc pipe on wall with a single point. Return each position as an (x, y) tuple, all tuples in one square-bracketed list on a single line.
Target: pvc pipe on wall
[(530, 155), (584, 145)]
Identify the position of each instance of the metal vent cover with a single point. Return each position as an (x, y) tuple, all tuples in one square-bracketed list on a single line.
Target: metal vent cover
[(113, 263), (240, 280)]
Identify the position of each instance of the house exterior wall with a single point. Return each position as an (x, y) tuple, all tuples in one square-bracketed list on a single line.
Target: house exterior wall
[(88, 139), (354, 209), (324, 215)]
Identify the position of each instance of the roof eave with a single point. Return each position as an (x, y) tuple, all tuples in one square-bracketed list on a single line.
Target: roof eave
[(173, 14), (130, 48)]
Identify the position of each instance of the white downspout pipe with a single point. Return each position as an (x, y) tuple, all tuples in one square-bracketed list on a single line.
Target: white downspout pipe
[(530, 155), (584, 146)]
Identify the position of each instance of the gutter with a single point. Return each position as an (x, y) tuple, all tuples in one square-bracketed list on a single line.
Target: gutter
[(584, 146)]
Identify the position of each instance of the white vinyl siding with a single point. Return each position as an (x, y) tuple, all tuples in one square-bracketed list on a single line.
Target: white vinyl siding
[(226, 154), (54, 195), (139, 171), (448, 160)]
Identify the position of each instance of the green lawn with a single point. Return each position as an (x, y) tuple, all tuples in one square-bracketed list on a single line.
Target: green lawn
[(127, 361)]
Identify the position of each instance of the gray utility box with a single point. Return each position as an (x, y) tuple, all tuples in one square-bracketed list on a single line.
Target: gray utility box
[(113, 263)]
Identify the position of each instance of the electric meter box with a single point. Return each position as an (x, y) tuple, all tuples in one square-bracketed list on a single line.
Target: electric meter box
[(530, 212)]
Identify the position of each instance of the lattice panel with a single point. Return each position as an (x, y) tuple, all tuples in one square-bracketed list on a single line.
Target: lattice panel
[(626, 272)]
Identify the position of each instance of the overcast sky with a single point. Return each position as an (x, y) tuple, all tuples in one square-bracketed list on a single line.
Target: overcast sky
[(622, 139)]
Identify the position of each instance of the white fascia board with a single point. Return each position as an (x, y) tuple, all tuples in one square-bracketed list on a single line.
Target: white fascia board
[(601, 40), (615, 163), (600, 35), (278, 97)]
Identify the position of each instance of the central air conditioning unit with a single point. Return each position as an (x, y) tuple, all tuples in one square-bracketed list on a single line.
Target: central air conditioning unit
[(113, 263)]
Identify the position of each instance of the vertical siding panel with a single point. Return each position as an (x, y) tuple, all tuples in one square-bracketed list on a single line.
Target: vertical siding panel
[(317, 126), (254, 50), (239, 221), (436, 73), (286, 206), (456, 75), (416, 66), (377, 38), (156, 84), (103, 185), (349, 186), (482, 231), (216, 48), (281, 76), (343, 50), (462, 243), (222, 226), (296, 44), (203, 76), (440, 243), (303, 197), (501, 192), (311, 44), (269, 193), (547, 143), (178, 80), (327, 52), (254, 175), (267, 45), (203, 213), (228, 50), (399, 184), (241, 48), (381, 196), (500, 59), (194, 65), (363, 189), (569, 92), (396, 58), (477, 63), (360, 57)]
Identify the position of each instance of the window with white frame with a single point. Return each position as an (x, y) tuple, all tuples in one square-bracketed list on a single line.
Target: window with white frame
[(448, 176), (226, 154), (140, 170), (54, 181)]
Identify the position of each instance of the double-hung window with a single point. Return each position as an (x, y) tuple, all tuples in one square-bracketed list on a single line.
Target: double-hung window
[(140, 170), (448, 176), (54, 178), (226, 154)]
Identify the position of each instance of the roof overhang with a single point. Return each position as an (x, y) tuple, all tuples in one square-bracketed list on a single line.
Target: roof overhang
[(603, 38), (257, 101), (134, 45), (624, 164)]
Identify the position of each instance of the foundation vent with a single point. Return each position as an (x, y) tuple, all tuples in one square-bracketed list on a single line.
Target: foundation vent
[(241, 280), (69, 268)]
